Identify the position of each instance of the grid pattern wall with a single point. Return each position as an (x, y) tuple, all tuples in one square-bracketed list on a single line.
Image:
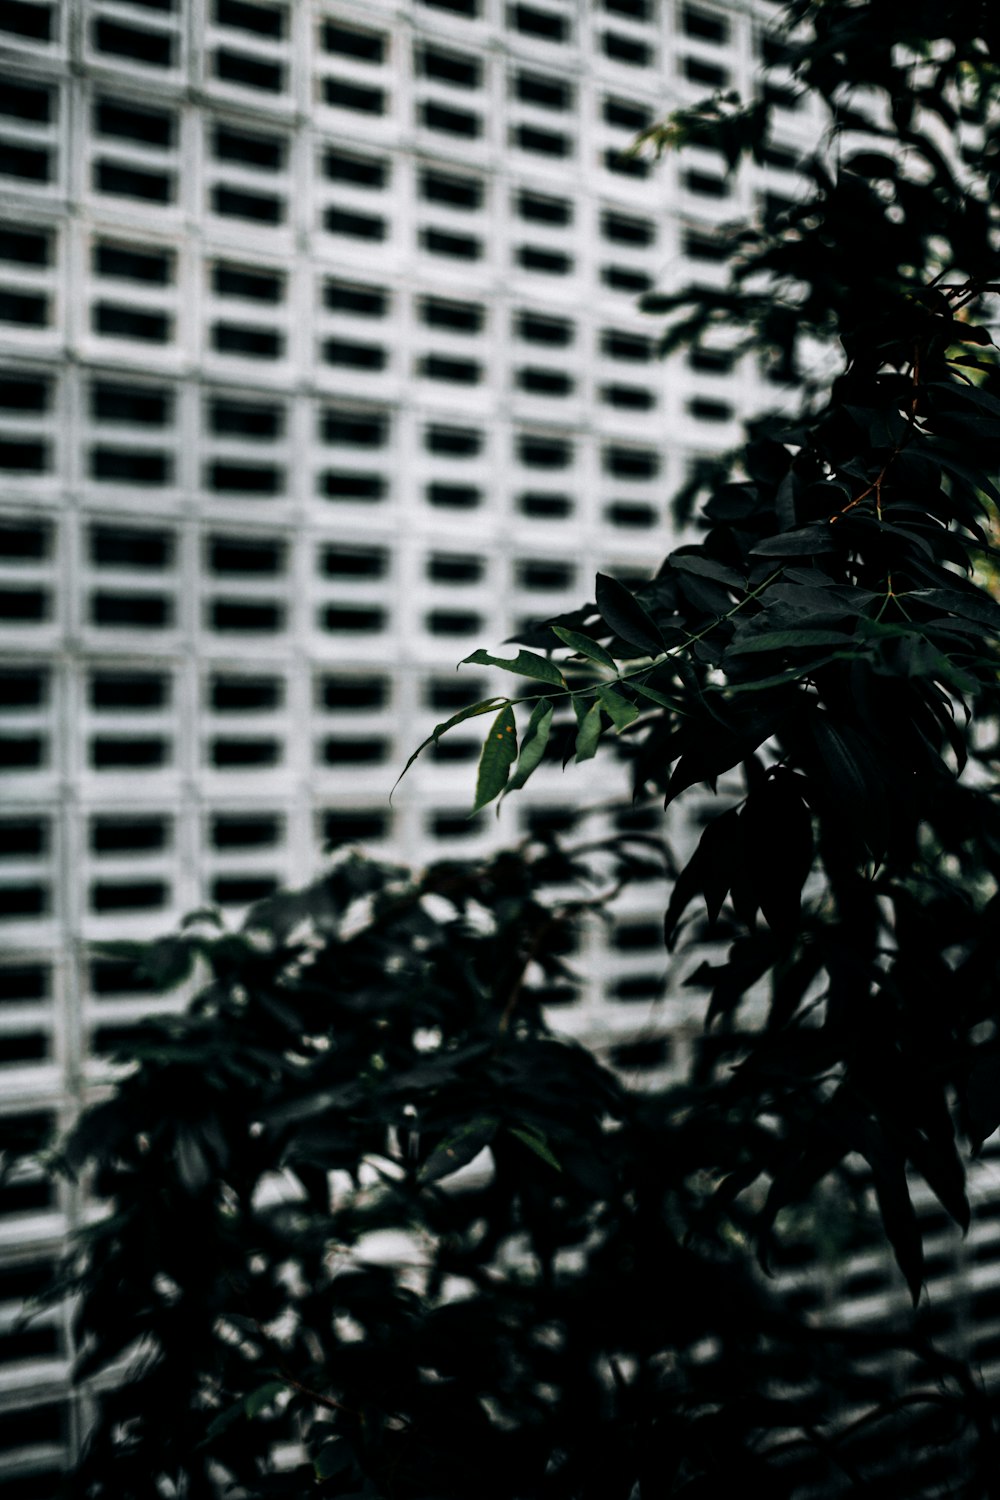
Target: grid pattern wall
[(320, 366)]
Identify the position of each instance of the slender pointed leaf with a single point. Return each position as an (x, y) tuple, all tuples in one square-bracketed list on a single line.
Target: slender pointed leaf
[(623, 613), (525, 664), (589, 733), (484, 706), (533, 743), (584, 646), (498, 754), (620, 711)]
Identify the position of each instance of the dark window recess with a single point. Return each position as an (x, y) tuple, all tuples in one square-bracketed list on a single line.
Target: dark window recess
[(625, 279), (453, 496), (363, 171), (154, 48), (453, 621), (26, 984), (131, 323), (626, 165), (366, 46), (454, 751), (353, 619), (457, 442), (237, 203), (27, 308), (134, 405), (23, 689), (626, 231), (359, 429), (245, 555), (454, 826), (544, 453), (544, 210), (244, 479), (458, 192), (361, 301), (705, 410), (242, 695), (353, 692), (126, 466), (337, 484), (545, 382), (635, 988), (26, 102), (20, 1343), (539, 574), (33, 22), (226, 754), (539, 23), (251, 343), (112, 752), (23, 838), (548, 262), (127, 547), (264, 151), (30, 163), (28, 394), (355, 752), (241, 890), (129, 835), (707, 75), (113, 692), (468, 8), (24, 1198), (149, 127), (353, 355), (25, 541), (711, 361), (624, 49), (340, 93), (456, 246), (705, 184), (628, 397), (248, 72), (542, 142), (133, 895), (631, 463), (626, 346), (450, 67), (443, 693), (248, 282), (24, 606), (354, 562), (23, 752), (129, 182), (260, 617), (238, 831), (128, 263), (357, 226), (707, 26), (445, 568), (26, 457), (262, 20), (25, 247), (27, 1047), (242, 419), (355, 826), (18, 1283), (557, 333), (704, 247), (635, 937), (781, 158), (638, 10), (547, 93), (651, 1052), (131, 611), (456, 371), (545, 507), (626, 115), (462, 122), (460, 317)]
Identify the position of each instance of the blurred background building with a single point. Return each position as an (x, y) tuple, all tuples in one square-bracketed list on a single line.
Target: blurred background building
[(321, 365)]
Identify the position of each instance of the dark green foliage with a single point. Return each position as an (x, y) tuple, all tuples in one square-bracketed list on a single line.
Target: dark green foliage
[(581, 1315)]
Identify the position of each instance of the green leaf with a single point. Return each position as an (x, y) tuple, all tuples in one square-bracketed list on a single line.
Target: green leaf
[(262, 1397), (655, 696), (224, 1420), (589, 733), (525, 664), (535, 1141), (805, 542), (533, 743), (584, 646), (623, 613), (458, 1149), (498, 754), (707, 567), (484, 706), (619, 710), (788, 640), (334, 1456)]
